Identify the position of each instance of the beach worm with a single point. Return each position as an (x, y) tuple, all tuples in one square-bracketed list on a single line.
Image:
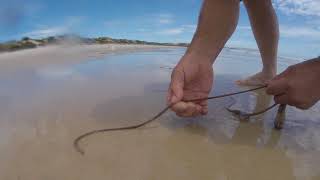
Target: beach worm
[(278, 123), (245, 116), (81, 137)]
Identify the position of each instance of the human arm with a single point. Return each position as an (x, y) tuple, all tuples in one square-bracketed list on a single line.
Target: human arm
[(193, 76)]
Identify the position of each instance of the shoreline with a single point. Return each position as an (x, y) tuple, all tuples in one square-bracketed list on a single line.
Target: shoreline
[(74, 53), (65, 54)]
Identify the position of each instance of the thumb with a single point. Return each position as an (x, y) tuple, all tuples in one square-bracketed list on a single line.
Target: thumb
[(176, 86), (278, 86)]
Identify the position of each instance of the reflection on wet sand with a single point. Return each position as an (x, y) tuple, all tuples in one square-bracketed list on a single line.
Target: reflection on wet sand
[(253, 133), (44, 109)]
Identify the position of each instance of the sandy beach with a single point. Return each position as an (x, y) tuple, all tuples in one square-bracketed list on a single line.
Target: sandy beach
[(49, 96), (63, 54)]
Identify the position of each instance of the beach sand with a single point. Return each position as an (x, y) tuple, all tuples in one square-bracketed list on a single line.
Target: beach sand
[(49, 96), (63, 54)]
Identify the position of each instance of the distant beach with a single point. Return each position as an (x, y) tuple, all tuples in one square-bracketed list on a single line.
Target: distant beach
[(65, 54), (71, 39)]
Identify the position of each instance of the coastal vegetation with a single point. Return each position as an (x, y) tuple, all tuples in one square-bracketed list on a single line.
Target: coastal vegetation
[(29, 43)]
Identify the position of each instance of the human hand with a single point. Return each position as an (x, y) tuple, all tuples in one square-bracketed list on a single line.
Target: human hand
[(192, 78), (298, 86)]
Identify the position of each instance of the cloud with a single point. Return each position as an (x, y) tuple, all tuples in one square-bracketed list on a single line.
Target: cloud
[(178, 30), (314, 22), (39, 33), (293, 31), (164, 18), (298, 32), (72, 21), (190, 27), (172, 31), (300, 7), (165, 21), (69, 25), (142, 30), (147, 19), (114, 23), (247, 28), (151, 24)]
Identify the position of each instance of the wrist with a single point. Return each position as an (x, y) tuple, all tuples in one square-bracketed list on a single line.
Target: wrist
[(317, 64), (203, 49), (195, 56)]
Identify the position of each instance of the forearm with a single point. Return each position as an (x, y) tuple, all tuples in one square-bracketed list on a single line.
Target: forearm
[(317, 60), (217, 22), (314, 65), (317, 64)]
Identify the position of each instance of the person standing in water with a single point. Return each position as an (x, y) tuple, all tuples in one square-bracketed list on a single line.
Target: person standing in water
[(192, 77)]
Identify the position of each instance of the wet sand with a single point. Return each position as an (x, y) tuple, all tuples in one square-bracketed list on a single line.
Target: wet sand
[(45, 103)]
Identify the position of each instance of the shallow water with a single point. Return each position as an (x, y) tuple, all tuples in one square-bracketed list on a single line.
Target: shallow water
[(43, 109)]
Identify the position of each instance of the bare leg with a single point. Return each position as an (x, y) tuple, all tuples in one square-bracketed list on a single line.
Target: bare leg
[(265, 28)]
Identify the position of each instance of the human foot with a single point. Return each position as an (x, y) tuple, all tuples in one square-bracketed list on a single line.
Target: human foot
[(258, 79)]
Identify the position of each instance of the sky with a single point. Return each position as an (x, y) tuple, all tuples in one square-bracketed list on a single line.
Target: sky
[(153, 20)]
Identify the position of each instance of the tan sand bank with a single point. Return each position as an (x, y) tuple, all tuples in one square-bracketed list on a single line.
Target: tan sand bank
[(64, 54)]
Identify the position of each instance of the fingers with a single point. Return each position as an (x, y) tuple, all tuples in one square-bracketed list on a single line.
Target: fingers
[(187, 109), (288, 99), (283, 74), (277, 86), (190, 109), (175, 92), (169, 94), (282, 99), (204, 110), (280, 76), (204, 107)]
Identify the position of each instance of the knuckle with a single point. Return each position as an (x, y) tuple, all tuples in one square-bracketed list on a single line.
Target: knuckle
[(180, 115), (292, 69), (296, 100), (307, 105), (173, 72), (302, 106), (270, 89), (278, 100), (299, 103), (290, 85)]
